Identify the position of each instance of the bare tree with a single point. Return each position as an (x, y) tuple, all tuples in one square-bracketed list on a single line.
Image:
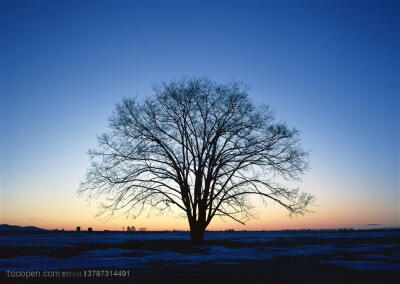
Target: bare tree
[(198, 146)]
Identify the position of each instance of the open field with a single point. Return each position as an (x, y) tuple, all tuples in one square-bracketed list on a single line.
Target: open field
[(354, 256)]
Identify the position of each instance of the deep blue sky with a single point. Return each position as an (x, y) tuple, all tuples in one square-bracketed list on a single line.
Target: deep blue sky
[(329, 68)]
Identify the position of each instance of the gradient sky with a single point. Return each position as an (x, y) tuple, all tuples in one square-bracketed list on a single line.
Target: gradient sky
[(329, 68)]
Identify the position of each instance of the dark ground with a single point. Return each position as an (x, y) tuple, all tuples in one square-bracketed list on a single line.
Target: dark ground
[(277, 271), (280, 269)]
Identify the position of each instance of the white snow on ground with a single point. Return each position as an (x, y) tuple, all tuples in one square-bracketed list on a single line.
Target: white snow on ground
[(380, 256), (362, 248), (113, 257), (104, 253), (372, 256), (288, 236), (71, 238), (364, 265)]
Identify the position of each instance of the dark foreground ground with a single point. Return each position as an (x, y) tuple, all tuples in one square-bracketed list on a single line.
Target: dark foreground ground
[(225, 257)]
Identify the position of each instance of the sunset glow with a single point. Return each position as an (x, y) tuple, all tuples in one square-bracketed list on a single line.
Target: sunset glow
[(332, 71)]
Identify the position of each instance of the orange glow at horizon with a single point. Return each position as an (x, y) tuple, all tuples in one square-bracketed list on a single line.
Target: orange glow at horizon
[(57, 207), (272, 217)]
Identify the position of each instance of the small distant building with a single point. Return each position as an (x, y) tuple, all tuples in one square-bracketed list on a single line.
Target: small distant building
[(131, 229), (78, 229), (90, 229)]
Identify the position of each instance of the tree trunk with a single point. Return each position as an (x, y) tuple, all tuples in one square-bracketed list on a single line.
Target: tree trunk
[(197, 233)]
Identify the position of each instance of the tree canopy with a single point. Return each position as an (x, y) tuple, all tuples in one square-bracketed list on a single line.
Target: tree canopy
[(198, 146)]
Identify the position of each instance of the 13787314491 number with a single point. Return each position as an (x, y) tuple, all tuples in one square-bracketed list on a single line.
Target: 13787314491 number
[(106, 273)]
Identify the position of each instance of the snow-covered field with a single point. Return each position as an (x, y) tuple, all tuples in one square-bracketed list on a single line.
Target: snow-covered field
[(359, 250)]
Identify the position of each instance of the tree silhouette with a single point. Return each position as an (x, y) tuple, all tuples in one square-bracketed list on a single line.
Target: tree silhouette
[(198, 146)]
